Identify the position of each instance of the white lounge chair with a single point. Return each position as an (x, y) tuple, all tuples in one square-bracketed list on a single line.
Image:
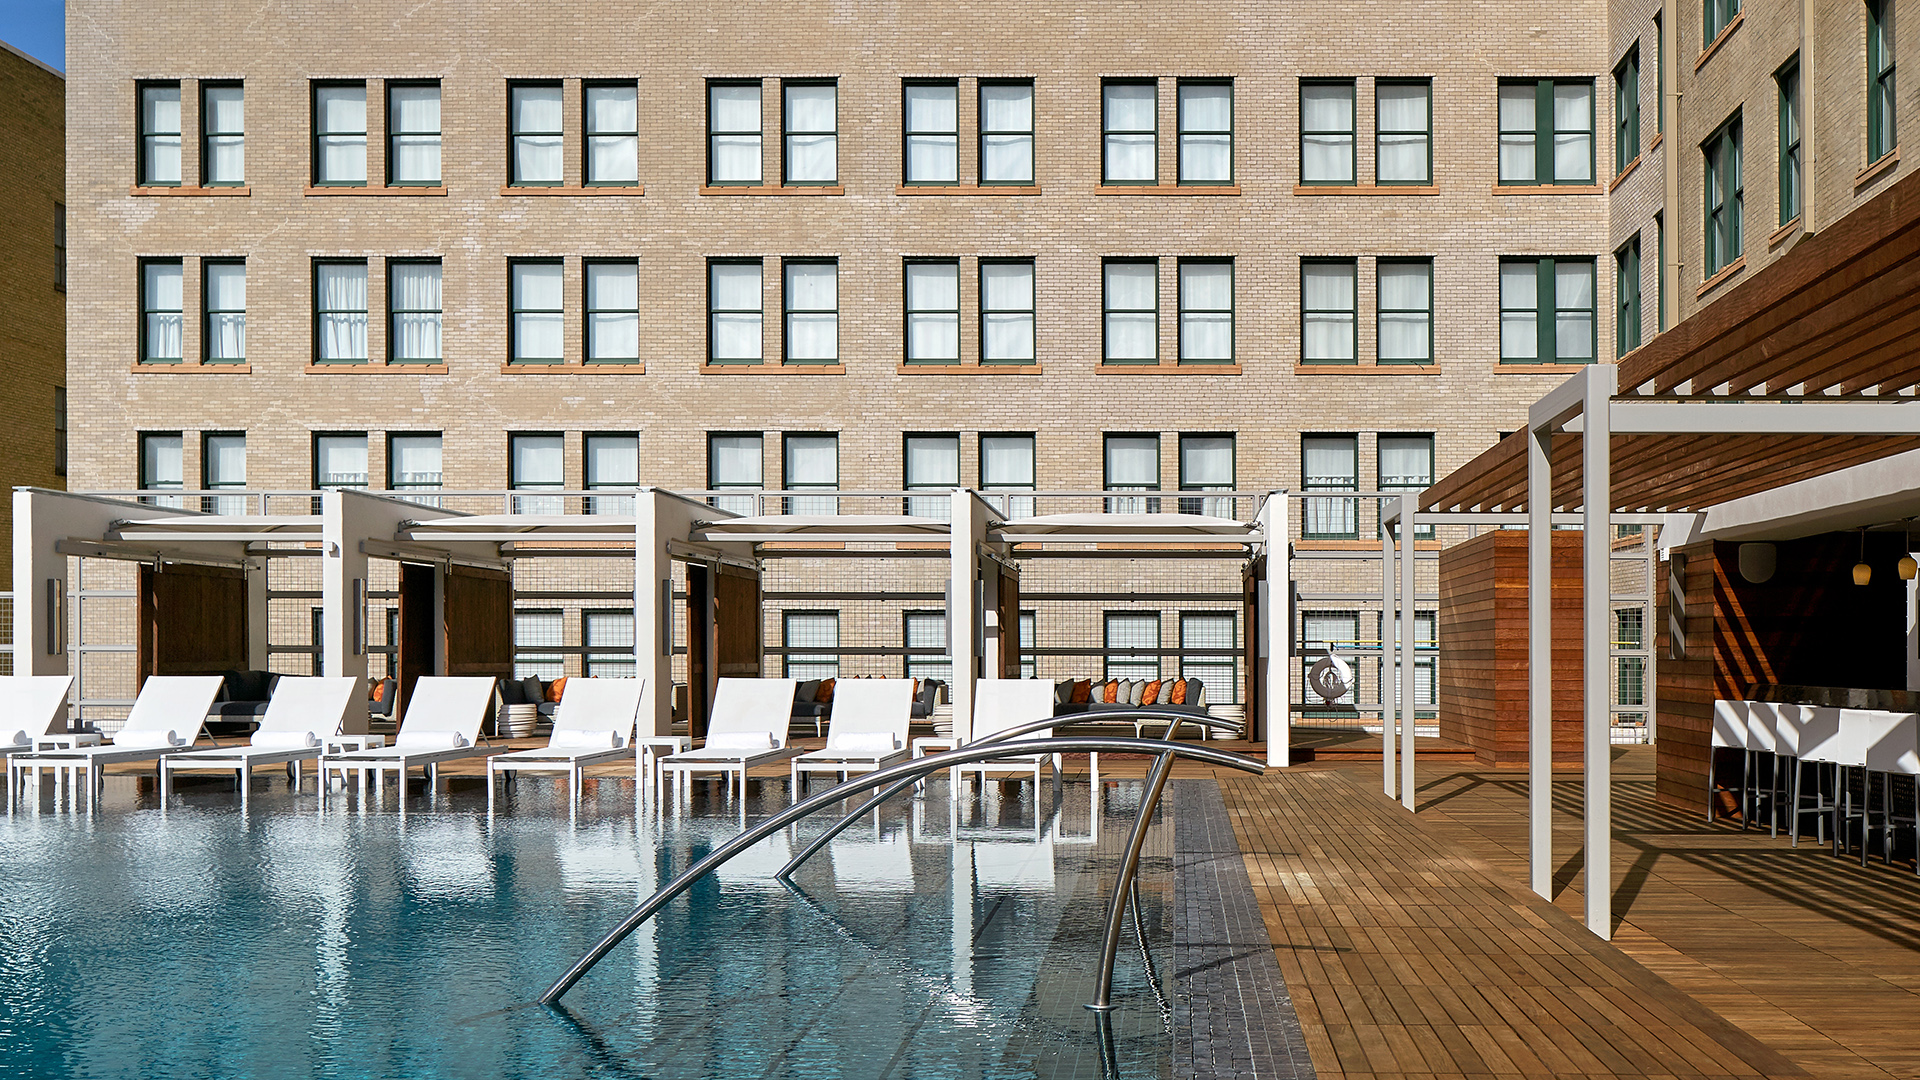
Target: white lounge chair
[(301, 715), (1002, 705), (442, 723), (30, 708), (594, 723), (748, 727), (166, 719), (868, 730)]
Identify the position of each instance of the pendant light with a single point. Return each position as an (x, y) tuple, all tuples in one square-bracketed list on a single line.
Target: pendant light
[(1909, 569), (1862, 573)]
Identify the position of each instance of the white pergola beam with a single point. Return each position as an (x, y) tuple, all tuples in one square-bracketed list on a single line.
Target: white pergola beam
[(1898, 417), (1539, 661), (1596, 545)]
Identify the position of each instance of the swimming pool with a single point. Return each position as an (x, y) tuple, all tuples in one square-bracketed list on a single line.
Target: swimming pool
[(198, 941)]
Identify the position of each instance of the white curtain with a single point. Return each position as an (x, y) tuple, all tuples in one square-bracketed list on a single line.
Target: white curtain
[(414, 126), (1326, 155), (416, 460), (812, 461), (1327, 324), (340, 113), (1406, 461), (1007, 461), (612, 461), (539, 322), (735, 296), (1206, 133), (813, 316), (415, 304), (613, 315), (343, 306), (160, 131), (342, 460), (735, 117), (1519, 311), (736, 460), (1132, 294), (1404, 118), (1331, 462), (1517, 125), (1206, 311), (161, 467), (613, 145), (1573, 132), (933, 312), (812, 146), (932, 461), (226, 304), (538, 462), (1006, 133), (1206, 461), (1406, 304), (1006, 296), (1133, 464), (932, 142), (537, 137), (226, 467), (1573, 323), (1129, 117), (163, 306), (225, 120)]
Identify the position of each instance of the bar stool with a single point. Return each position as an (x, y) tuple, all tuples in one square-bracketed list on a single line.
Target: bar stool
[(1811, 728), (1762, 760), (1729, 733), (1847, 751), (1895, 748)]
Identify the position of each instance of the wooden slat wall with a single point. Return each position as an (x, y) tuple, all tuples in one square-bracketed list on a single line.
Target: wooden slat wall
[(193, 620), (479, 622), (1483, 646)]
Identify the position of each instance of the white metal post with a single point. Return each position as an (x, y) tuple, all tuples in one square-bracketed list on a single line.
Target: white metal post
[(1596, 463), (1388, 705), (1277, 627), (1409, 560), (1540, 660)]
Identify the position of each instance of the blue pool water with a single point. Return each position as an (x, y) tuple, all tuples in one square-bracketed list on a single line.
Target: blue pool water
[(197, 941)]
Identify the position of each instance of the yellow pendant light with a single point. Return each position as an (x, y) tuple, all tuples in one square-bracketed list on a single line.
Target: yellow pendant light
[(1909, 569), (1862, 573)]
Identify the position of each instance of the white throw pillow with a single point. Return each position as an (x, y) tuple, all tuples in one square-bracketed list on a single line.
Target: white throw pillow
[(1136, 690), (584, 739), (430, 740), (865, 743), (740, 740), (285, 740), (145, 740)]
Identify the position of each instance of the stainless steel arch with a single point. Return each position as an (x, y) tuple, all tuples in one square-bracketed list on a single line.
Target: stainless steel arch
[(882, 777)]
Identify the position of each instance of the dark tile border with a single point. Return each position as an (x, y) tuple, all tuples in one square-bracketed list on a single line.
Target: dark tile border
[(1232, 1016)]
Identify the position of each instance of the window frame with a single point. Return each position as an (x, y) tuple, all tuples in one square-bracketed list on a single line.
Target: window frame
[(607, 504), (788, 311), (393, 484), (1230, 662), (394, 311), (1660, 272), (1181, 132), (147, 482), (1111, 503), (213, 504), (787, 133), (1545, 129), (786, 636), (907, 482), (514, 312), (759, 134), (1381, 310), (60, 247), (1379, 131), (1659, 74), (908, 311), (393, 134), (908, 134), (208, 311), (588, 311), (714, 483), (1715, 17), (366, 313), (514, 135), (1197, 504), (593, 655), (990, 485), (761, 311), (1883, 132), (148, 312), (1353, 313), (207, 134), (143, 155), (1107, 647), (1546, 310), (516, 484), (1032, 313), (1626, 290), (59, 431), (1107, 133), (1182, 309), (1107, 310), (937, 661), (1307, 483), (1352, 87), (1422, 530), (1626, 109), (315, 154), (1789, 140), (788, 440), (366, 449), (980, 114), (1723, 198), (588, 134)]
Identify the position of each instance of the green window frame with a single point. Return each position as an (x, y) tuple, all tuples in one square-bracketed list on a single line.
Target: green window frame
[(401, 172), (1329, 305), (1009, 320), (1004, 144), (1330, 462), (162, 311), (1546, 132), (1395, 139), (1119, 313), (1660, 273), (1723, 197), (608, 146), (1788, 82), (808, 318), (1120, 453), (1626, 291), (1626, 110), (1716, 16), (722, 137), (415, 320), (930, 132), (333, 147), (339, 324), (159, 151), (727, 322), (219, 142), (527, 143), (1119, 137), (603, 280), (1547, 312), (1327, 108), (931, 307), (1403, 331), (1883, 135), (801, 147), (223, 329), (924, 460), (736, 461), (1659, 74), (524, 317), (1201, 453), (1402, 448), (1205, 146), (1204, 311)]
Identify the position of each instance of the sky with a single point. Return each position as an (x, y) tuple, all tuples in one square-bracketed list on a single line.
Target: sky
[(37, 28)]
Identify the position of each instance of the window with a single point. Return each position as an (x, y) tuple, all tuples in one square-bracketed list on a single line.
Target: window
[(534, 117), (1132, 463), (734, 461), (1659, 74), (1132, 642), (933, 312), (1405, 310), (161, 315), (223, 296), (1716, 15), (413, 464), (159, 134), (613, 134), (930, 119), (1788, 81), (1546, 132), (1205, 115), (1631, 681), (1425, 642), (1329, 314), (811, 300), (613, 311), (413, 134), (812, 643), (1882, 135), (161, 468), (1206, 464), (340, 312), (223, 466), (609, 639), (733, 133), (1209, 652), (223, 134), (1626, 110), (340, 134), (60, 247), (1403, 132), (1322, 632), (1660, 272), (59, 431), (1406, 464), (537, 462), (734, 299), (413, 311), (340, 460), (1626, 290), (1206, 311), (812, 464), (1547, 311), (1725, 192), (1330, 463), (1029, 665), (932, 464), (925, 636), (613, 461), (1006, 311), (1128, 129), (1131, 311), (1326, 132), (534, 630), (811, 128), (1006, 464), (537, 312), (1006, 132)]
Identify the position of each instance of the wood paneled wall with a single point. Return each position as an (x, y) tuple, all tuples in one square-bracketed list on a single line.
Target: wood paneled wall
[(479, 622), (193, 620)]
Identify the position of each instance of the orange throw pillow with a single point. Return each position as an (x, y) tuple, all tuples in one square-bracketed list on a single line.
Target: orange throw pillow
[(1179, 692), (1151, 694), (825, 694), (1107, 694), (556, 688), (379, 690), (1082, 689)]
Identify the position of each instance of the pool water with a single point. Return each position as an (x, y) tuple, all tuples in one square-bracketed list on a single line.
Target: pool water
[(198, 941)]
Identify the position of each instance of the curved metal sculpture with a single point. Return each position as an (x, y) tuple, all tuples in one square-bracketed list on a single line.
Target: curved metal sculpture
[(880, 778)]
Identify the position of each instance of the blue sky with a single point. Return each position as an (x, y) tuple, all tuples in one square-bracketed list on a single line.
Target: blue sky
[(37, 28)]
